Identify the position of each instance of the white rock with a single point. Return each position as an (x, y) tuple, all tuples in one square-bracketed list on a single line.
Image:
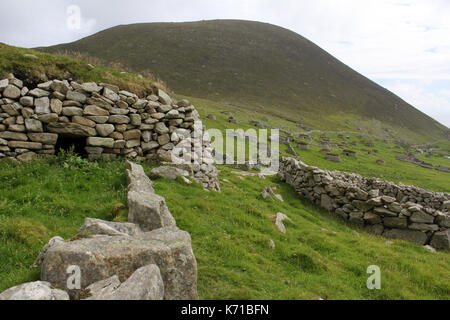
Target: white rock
[(279, 222), (145, 283), (39, 290)]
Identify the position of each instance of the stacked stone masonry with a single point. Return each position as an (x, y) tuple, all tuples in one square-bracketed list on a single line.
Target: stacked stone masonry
[(380, 207), (111, 122)]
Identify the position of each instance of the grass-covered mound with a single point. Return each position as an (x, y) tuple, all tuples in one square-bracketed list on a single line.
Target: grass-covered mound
[(319, 256), (34, 67)]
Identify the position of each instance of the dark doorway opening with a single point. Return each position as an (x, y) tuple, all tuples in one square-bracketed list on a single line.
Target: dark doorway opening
[(66, 142)]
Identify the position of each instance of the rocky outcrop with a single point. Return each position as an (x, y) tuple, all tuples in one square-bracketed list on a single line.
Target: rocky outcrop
[(111, 122), (268, 193), (381, 207), (278, 220), (146, 258)]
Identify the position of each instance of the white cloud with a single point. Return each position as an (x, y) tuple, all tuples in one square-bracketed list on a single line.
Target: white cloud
[(435, 102)]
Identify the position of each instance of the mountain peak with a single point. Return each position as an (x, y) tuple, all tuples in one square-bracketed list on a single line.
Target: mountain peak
[(250, 64)]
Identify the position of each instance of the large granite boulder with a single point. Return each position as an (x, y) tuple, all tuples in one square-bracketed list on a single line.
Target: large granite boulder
[(279, 218), (101, 257)]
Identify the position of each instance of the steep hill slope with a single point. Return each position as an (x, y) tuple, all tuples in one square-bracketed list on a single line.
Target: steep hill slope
[(251, 64)]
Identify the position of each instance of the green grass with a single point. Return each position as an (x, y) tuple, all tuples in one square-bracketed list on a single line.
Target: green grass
[(47, 67), (250, 64), (41, 200), (319, 256), (394, 170)]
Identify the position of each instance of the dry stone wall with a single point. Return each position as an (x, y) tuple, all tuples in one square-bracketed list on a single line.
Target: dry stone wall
[(108, 121), (381, 207)]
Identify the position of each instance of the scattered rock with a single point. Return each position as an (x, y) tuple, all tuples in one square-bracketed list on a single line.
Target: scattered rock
[(232, 120), (265, 194), (333, 157), (145, 283), (39, 290), (249, 174), (280, 217), (101, 257), (29, 55), (272, 244), (169, 172), (186, 180), (268, 193)]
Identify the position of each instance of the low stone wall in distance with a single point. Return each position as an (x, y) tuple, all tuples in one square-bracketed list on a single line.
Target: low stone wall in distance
[(381, 207)]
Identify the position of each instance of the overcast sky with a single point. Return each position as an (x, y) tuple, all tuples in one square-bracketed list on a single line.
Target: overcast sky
[(403, 45)]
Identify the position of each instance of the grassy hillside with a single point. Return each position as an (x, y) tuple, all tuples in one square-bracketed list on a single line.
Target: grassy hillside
[(253, 64), (319, 256), (393, 170)]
